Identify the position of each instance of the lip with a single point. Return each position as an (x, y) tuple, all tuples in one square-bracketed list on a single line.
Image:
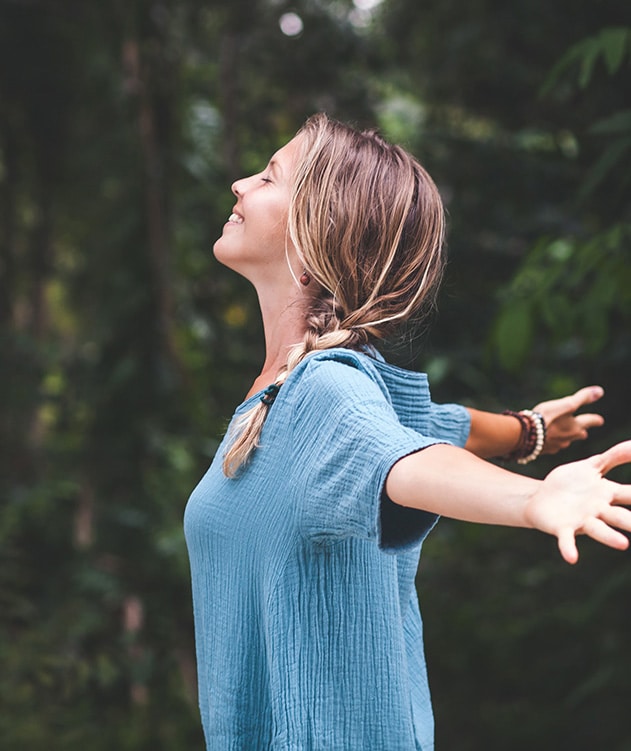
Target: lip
[(230, 221)]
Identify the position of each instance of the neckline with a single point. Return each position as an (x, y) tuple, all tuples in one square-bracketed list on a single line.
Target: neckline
[(373, 356)]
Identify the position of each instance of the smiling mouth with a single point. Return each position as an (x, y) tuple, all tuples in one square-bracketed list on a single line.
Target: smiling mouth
[(235, 219)]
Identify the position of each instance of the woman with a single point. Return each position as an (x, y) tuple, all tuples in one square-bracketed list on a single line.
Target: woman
[(305, 533)]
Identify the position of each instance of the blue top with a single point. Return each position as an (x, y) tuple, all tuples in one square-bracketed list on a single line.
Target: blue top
[(308, 630)]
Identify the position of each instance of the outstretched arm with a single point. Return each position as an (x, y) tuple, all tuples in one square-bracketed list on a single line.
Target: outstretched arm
[(573, 499), (497, 435)]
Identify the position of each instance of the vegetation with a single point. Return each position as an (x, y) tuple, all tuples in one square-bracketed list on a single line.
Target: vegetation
[(124, 346)]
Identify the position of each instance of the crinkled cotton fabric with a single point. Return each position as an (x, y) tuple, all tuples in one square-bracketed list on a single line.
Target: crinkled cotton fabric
[(307, 625)]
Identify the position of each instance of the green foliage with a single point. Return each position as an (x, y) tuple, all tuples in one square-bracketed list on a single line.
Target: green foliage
[(610, 45), (576, 294), (540, 661), (569, 304)]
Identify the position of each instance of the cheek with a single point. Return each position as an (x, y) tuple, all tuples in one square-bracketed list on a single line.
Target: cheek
[(269, 232), (277, 231)]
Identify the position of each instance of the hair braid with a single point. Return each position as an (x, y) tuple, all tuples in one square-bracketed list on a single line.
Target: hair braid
[(323, 332), (367, 222)]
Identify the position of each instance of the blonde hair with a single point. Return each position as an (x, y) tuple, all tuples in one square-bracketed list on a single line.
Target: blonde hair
[(368, 223)]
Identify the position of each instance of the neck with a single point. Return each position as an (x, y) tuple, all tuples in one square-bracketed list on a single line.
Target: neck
[(283, 326)]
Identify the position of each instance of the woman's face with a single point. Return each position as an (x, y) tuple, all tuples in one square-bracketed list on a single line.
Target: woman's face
[(254, 241)]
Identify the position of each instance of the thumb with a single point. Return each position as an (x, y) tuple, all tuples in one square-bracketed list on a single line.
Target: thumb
[(618, 454)]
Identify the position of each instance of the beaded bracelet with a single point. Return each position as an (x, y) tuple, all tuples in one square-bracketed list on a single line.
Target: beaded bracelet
[(539, 436), (533, 436)]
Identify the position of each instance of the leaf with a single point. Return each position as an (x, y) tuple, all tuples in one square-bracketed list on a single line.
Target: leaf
[(561, 250), (620, 122), (609, 159), (574, 54), (591, 50), (614, 46), (611, 43), (563, 315), (513, 334)]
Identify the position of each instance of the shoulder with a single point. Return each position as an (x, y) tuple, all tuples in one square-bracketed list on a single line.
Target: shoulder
[(339, 373)]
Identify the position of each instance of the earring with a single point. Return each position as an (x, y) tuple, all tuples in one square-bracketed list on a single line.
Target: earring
[(305, 278)]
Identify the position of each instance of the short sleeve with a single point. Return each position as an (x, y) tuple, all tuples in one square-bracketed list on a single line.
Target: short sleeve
[(346, 438), (450, 422)]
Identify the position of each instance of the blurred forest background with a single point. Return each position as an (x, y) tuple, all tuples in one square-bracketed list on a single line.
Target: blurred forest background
[(124, 346)]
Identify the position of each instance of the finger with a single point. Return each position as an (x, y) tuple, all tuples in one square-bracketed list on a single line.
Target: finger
[(616, 516), (588, 395), (621, 494), (569, 404), (567, 545), (613, 457), (600, 531), (589, 420)]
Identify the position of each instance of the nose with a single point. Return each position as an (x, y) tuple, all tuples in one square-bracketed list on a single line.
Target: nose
[(239, 187)]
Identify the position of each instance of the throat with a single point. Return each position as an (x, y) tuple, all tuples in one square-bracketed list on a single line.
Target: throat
[(267, 377)]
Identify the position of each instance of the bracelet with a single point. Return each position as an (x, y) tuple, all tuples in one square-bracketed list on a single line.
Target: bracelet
[(539, 430), (533, 436)]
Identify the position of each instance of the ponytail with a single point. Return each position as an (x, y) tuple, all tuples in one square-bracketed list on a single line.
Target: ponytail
[(367, 222)]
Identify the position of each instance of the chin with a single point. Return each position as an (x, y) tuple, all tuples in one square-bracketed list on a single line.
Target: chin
[(225, 258), (221, 254)]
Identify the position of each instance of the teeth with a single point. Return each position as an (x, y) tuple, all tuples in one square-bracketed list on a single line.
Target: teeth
[(235, 218)]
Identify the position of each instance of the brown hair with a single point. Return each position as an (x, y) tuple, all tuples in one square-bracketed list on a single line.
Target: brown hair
[(368, 223)]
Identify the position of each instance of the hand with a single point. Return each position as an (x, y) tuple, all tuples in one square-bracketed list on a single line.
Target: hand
[(577, 499), (563, 426)]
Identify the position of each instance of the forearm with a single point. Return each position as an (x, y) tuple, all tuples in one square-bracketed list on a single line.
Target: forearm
[(573, 499), (448, 481), (492, 434), (500, 434)]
